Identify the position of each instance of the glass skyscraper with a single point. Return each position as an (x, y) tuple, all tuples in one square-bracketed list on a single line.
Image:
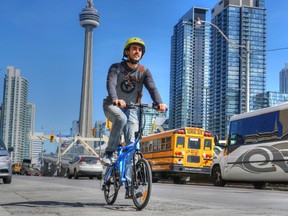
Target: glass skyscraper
[(189, 71), (272, 98), (241, 21), (283, 79), (30, 128)]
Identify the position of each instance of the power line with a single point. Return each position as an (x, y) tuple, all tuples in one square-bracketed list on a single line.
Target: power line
[(277, 49)]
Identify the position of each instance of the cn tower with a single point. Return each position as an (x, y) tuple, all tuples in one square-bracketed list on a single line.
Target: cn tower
[(89, 19)]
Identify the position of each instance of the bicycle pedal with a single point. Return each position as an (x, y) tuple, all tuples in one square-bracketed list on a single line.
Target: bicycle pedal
[(103, 188)]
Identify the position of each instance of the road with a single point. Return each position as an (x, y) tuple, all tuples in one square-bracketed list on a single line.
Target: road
[(55, 196)]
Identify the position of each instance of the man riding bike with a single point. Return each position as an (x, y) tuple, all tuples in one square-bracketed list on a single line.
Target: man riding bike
[(124, 84)]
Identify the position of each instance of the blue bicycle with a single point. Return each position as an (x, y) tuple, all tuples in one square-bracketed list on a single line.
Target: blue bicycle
[(130, 157)]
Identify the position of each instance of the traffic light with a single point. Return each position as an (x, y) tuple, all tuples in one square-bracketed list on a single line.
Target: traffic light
[(52, 138), (108, 124), (94, 132)]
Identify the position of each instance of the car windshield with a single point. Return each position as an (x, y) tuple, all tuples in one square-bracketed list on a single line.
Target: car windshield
[(90, 160), (2, 145)]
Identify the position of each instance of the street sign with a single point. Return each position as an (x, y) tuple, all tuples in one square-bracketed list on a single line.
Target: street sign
[(62, 135)]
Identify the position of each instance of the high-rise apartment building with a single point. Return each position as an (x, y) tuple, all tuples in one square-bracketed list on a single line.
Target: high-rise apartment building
[(27, 152), (13, 130), (283, 79), (37, 149), (242, 21), (189, 72)]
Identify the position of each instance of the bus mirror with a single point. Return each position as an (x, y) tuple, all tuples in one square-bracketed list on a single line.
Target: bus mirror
[(216, 140)]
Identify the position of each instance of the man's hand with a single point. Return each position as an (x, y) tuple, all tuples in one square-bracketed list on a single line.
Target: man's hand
[(120, 103), (162, 107)]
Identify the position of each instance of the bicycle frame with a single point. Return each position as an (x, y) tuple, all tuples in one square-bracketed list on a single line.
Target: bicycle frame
[(124, 153)]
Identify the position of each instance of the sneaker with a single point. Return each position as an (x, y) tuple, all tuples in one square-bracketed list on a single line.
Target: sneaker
[(108, 159)]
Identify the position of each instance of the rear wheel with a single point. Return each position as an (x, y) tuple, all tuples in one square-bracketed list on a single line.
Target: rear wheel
[(217, 178), (141, 184), (69, 176), (111, 186)]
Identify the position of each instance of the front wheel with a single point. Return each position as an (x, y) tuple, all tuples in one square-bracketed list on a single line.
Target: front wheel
[(217, 177), (110, 186), (7, 180), (141, 184)]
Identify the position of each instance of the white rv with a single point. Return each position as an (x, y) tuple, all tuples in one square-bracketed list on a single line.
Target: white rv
[(256, 150)]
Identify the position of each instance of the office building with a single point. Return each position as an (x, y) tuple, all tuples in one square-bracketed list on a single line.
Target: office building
[(283, 81), (74, 129), (30, 123), (242, 21), (272, 98), (37, 150), (14, 130), (189, 71), (100, 130)]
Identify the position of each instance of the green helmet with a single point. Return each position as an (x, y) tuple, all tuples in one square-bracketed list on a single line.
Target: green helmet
[(134, 40)]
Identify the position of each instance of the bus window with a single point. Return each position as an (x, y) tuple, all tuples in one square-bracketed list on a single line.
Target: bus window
[(150, 145), (194, 143), (207, 144), (180, 141), (144, 147), (158, 144), (168, 143), (154, 145), (163, 144)]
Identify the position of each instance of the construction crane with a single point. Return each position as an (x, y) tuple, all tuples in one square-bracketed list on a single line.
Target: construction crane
[(155, 126)]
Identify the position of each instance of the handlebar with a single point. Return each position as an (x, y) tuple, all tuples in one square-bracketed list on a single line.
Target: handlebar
[(135, 105)]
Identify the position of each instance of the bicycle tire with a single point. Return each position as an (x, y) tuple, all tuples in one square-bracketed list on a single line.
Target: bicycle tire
[(141, 184), (111, 188)]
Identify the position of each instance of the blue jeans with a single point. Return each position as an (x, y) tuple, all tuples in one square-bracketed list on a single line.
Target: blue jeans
[(123, 121)]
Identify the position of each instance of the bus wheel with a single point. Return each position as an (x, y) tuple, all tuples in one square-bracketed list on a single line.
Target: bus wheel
[(155, 180), (260, 185), (217, 178)]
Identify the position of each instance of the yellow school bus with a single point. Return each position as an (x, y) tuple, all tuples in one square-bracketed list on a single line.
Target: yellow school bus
[(179, 153)]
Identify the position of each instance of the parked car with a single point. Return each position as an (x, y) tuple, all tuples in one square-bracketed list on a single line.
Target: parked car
[(5, 163), (85, 166), (25, 167)]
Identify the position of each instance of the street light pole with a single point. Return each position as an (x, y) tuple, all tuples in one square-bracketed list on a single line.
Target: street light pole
[(247, 51), (247, 105)]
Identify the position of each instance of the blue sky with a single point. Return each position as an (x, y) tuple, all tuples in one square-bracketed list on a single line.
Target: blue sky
[(46, 42)]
